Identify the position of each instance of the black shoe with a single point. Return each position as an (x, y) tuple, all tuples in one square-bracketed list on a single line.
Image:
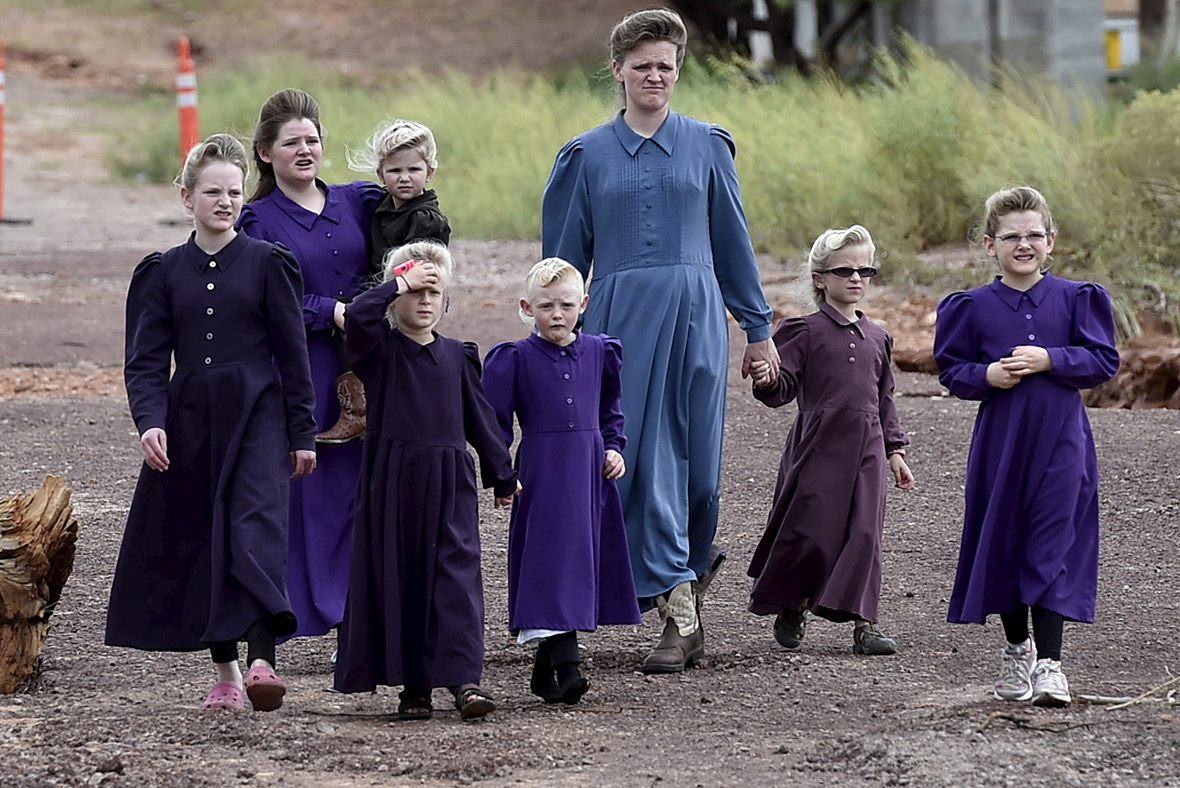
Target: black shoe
[(789, 628), (543, 682)]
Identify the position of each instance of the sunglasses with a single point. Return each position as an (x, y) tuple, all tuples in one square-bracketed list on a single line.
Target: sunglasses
[(844, 272)]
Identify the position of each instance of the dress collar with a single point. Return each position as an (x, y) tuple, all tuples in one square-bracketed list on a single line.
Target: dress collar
[(302, 216), (199, 259), (574, 349), (1011, 296), (665, 136), (841, 320), (409, 345)]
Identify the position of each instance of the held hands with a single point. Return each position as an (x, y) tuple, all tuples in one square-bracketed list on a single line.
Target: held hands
[(418, 276), (760, 372), (507, 501), (302, 463), (1025, 360), (763, 350), (154, 444), (902, 476), (614, 467)]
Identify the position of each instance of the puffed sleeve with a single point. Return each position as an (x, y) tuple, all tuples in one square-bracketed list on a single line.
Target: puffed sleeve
[(288, 343), (148, 344), (428, 224), (957, 348), (365, 329), (734, 263), (319, 312), (479, 425), (792, 338), (567, 227), (499, 384), (1091, 357), (886, 409), (610, 406)]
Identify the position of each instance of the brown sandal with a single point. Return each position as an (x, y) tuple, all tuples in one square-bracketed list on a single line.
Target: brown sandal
[(473, 703)]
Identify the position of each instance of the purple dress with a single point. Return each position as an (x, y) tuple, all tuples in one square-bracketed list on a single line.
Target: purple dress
[(1030, 525), (823, 535), (415, 604), (204, 551), (332, 250), (568, 563)]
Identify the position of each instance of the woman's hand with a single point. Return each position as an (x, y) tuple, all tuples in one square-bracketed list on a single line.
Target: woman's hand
[(338, 316), (902, 476), (614, 467), (302, 463), (763, 350), (154, 444), (507, 500)]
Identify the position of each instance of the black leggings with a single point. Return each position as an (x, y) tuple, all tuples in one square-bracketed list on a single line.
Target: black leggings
[(260, 644), (1047, 630)]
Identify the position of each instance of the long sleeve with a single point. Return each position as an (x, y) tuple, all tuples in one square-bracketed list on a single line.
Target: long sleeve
[(480, 427), (887, 410), (957, 348), (149, 341), (567, 229), (1091, 358), (288, 343), (499, 384), (610, 407), (365, 329), (734, 263), (791, 338)]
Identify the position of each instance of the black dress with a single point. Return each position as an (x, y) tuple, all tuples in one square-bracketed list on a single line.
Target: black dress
[(205, 547)]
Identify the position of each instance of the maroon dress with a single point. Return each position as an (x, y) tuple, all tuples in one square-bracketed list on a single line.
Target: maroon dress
[(415, 611), (823, 535)]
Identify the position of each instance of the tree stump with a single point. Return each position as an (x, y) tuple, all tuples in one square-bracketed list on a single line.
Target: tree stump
[(38, 533)]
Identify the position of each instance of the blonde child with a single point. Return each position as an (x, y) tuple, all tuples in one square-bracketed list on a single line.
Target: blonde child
[(203, 560), (568, 565), (415, 612), (1023, 346), (822, 546)]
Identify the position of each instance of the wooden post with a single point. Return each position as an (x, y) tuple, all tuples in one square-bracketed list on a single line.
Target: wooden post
[(38, 533)]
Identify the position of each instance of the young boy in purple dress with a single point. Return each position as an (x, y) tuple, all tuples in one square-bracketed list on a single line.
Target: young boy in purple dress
[(569, 568), (1023, 346)]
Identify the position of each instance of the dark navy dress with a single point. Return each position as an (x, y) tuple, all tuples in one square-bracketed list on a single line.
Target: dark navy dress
[(204, 551)]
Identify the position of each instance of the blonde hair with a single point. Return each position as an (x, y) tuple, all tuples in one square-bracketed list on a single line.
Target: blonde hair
[(216, 147), (278, 110), (1015, 199), (651, 24), (391, 137), (549, 271), (831, 241), (420, 252)]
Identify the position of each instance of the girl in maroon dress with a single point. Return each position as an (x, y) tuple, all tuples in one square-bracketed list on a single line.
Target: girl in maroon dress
[(415, 613), (822, 546), (203, 560)]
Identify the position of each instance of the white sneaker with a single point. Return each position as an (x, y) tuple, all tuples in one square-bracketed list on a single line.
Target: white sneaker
[(1050, 687), (1016, 667)]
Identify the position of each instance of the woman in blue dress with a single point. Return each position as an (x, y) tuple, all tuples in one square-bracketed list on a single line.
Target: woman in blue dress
[(650, 202)]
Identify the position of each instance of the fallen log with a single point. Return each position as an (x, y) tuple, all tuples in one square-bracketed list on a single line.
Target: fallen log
[(38, 534)]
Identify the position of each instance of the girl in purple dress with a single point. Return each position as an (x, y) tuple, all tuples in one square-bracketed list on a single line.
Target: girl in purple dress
[(822, 546), (1023, 346), (203, 560), (569, 569), (415, 612)]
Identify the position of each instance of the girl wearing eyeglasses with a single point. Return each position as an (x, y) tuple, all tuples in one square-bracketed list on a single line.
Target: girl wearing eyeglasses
[(1023, 345), (821, 550)]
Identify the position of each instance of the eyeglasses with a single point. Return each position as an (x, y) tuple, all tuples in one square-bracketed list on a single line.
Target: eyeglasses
[(844, 272), (1012, 239)]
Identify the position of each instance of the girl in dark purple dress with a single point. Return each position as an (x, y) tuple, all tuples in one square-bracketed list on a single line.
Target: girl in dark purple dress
[(568, 564), (1023, 346), (822, 546), (203, 561), (415, 612)]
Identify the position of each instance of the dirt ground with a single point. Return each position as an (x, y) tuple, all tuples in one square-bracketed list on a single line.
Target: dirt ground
[(752, 714)]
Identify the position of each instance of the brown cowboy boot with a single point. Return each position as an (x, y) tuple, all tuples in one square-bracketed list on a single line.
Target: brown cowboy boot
[(683, 642), (351, 424)]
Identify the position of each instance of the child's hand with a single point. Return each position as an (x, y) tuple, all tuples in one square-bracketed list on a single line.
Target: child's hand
[(614, 467), (1027, 360), (902, 476), (302, 463), (999, 377), (761, 372), (420, 275), (154, 444), (507, 500)]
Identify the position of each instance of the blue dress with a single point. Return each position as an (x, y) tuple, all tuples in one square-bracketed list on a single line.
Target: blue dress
[(568, 566), (333, 254), (661, 224), (204, 551), (1030, 526)]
